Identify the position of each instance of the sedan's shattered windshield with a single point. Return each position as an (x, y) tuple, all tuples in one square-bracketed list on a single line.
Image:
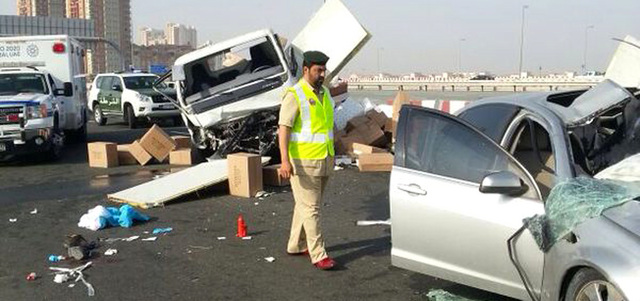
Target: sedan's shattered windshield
[(574, 201)]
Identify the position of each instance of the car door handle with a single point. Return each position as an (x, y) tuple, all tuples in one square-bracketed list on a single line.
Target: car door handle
[(412, 189)]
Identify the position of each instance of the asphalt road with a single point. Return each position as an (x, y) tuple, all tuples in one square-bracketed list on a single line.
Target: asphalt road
[(190, 263)]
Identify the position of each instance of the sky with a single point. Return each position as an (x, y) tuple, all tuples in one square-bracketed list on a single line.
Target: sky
[(426, 36)]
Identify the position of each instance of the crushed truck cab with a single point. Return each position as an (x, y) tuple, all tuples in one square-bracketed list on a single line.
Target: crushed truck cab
[(229, 92)]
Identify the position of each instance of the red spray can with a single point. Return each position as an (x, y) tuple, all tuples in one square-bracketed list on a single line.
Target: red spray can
[(242, 227)]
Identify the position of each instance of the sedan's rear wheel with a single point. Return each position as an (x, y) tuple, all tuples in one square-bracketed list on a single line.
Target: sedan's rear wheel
[(589, 285)]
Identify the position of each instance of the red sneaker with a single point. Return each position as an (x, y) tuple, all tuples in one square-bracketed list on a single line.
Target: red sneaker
[(305, 252), (325, 264)]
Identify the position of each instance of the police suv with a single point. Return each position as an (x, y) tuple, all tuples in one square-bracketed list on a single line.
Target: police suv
[(42, 94), (130, 96)]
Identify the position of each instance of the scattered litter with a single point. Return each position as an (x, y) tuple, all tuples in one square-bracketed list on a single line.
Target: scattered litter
[(56, 258), (222, 238), (110, 252), (442, 295), (100, 217), (336, 168), (373, 223), (72, 285), (13, 220), (35, 211), (32, 276), (61, 278), (162, 230), (246, 238), (343, 161), (153, 238), (69, 273), (201, 247), (132, 238), (270, 259), (78, 247), (145, 232), (158, 176), (256, 203), (263, 194)]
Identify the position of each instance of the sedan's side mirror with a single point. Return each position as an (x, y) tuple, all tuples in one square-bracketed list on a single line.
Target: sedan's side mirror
[(503, 182)]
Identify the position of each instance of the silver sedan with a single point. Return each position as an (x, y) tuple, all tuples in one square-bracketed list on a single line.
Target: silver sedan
[(462, 185)]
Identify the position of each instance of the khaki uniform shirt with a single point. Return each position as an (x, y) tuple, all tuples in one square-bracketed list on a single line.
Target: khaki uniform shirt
[(303, 167)]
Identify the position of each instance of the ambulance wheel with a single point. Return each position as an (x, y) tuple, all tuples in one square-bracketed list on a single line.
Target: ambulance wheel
[(98, 116)]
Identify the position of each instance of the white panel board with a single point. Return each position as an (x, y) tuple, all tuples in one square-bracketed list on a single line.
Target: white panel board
[(334, 31), (157, 192), (624, 68)]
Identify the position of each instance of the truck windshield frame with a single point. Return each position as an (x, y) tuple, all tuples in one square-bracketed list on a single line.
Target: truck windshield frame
[(247, 62), (16, 83)]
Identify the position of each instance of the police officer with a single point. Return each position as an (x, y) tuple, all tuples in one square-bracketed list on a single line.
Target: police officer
[(306, 149)]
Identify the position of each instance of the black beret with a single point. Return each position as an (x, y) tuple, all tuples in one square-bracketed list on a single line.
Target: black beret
[(315, 58)]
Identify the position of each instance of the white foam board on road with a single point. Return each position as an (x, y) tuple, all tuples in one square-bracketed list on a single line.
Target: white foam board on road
[(157, 192)]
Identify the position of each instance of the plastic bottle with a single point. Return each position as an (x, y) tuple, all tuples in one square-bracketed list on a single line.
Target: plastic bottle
[(242, 227), (56, 258)]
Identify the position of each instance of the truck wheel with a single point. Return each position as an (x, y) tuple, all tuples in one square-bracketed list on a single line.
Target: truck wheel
[(130, 117), (57, 142), (98, 116), (589, 285)]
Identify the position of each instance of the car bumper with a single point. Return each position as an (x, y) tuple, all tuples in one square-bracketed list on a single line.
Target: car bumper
[(23, 142), (157, 110)]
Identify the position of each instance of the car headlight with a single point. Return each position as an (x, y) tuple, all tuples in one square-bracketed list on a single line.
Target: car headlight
[(39, 111), (143, 98)]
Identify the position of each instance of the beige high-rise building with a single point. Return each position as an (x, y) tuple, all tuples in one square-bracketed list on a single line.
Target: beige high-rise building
[(112, 22), (41, 8), (179, 34)]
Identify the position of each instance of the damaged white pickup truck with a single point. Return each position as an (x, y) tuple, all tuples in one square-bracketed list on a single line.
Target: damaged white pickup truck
[(229, 93)]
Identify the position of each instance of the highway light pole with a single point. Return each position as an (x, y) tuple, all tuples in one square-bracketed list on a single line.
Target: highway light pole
[(524, 8), (584, 55)]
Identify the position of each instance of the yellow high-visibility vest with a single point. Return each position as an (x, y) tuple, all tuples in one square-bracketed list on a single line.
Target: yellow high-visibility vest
[(312, 132)]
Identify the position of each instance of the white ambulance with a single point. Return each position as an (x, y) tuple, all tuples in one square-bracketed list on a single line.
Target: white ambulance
[(42, 94)]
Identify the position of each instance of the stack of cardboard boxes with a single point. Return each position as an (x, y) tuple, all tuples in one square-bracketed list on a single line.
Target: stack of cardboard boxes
[(155, 144), (368, 137)]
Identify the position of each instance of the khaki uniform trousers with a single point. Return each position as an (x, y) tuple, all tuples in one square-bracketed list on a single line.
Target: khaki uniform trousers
[(305, 227)]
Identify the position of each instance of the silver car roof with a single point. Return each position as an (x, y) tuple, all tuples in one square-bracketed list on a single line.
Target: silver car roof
[(601, 97)]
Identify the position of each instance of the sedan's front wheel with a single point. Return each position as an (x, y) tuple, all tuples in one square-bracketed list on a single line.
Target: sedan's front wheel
[(589, 285)]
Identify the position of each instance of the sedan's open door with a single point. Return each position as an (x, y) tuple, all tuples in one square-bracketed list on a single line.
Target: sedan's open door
[(456, 198), (334, 31)]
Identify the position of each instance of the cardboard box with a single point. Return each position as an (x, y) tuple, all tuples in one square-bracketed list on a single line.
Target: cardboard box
[(124, 155), (157, 143), (102, 154), (369, 134), (245, 174), (363, 149), (182, 141), (344, 145), (138, 152), (356, 122), (402, 98), (271, 177), (375, 162), (380, 118), (184, 156)]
